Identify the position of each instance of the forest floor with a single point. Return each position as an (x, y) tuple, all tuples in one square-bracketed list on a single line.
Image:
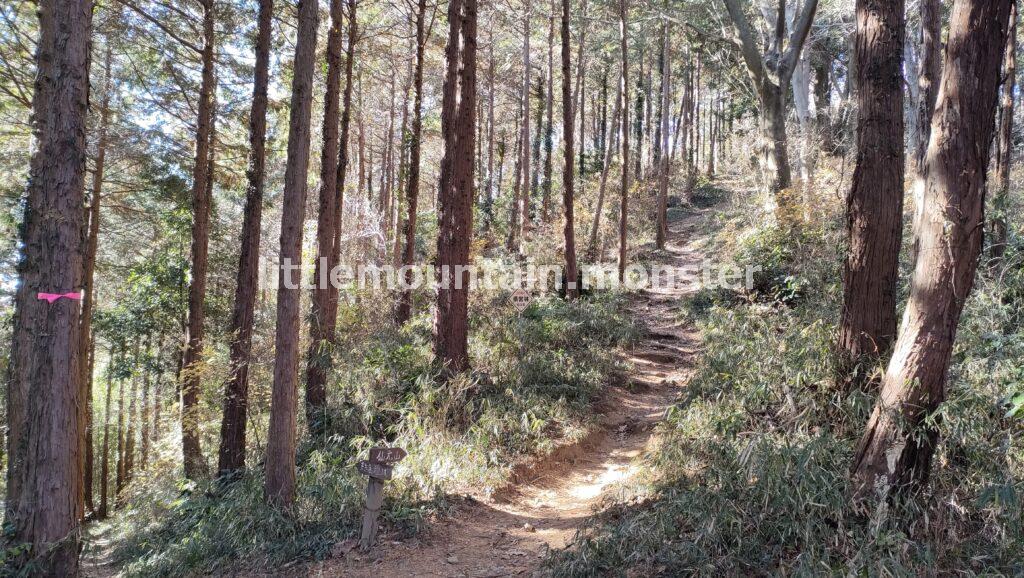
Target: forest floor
[(509, 533)]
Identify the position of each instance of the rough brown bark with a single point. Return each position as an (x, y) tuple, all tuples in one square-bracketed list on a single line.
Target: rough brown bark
[(662, 155), (404, 309), (874, 206), (318, 356), (895, 451), (524, 194), (456, 184), (195, 465), (1004, 149), (231, 454), (568, 200), (624, 197), (549, 106), (44, 502), (280, 462)]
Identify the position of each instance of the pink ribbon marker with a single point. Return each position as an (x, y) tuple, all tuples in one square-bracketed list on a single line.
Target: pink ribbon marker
[(51, 297)]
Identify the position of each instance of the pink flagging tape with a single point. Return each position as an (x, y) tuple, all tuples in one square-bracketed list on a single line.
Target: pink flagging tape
[(51, 297)]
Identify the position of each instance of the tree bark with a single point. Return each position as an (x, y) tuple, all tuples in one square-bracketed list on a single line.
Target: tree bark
[(1004, 149), (624, 198), (44, 502), (195, 465), (318, 358), (662, 155), (895, 451), (404, 310), (231, 455), (524, 193), (874, 206), (456, 188), (280, 463), (549, 106), (568, 200)]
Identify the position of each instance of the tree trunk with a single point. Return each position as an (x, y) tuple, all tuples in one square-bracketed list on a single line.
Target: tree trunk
[(524, 193), (195, 465), (896, 449), (489, 186), (231, 456), (456, 184), (404, 311), (105, 458), (147, 382), (662, 156), (568, 201), (592, 247), (318, 358), (44, 502), (1004, 155), (624, 199), (89, 272), (515, 217), (280, 463), (928, 74), (874, 207), (120, 476), (549, 106)]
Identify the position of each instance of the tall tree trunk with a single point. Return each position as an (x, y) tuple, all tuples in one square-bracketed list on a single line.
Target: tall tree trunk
[(896, 449), (1004, 156), (489, 193), (319, 353), (44, 502), (524, 193), (568, 200), (928, 74), (120, 476), (549, 106), (331, 315), (89, 271), (280, 463), (624, 199), (147, 382), (404, 311), (515, 217), (195, 465), (455, 192), (768, 81), (231, 455), (606, 166), (663, 155), (874, 206), (105, 458)]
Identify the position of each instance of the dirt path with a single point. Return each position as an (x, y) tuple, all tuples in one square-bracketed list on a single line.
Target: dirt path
[(510, 534)]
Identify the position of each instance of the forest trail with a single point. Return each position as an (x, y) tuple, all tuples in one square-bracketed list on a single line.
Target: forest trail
[(510, 534)]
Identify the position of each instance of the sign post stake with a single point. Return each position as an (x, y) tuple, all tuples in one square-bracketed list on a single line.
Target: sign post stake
[(374, 499), (376, 469)]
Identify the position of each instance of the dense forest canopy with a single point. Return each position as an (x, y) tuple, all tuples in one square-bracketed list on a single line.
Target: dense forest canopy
[(743, 276)]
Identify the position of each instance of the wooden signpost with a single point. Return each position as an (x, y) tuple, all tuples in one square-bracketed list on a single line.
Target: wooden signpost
[(377, 469)]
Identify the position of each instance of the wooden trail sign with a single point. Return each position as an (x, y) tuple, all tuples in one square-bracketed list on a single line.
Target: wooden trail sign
[(377, 469), (374, 470), (521, 299), (387, 455)]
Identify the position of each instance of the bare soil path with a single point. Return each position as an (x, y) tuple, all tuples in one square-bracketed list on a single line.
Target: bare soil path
[(510, 534)]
